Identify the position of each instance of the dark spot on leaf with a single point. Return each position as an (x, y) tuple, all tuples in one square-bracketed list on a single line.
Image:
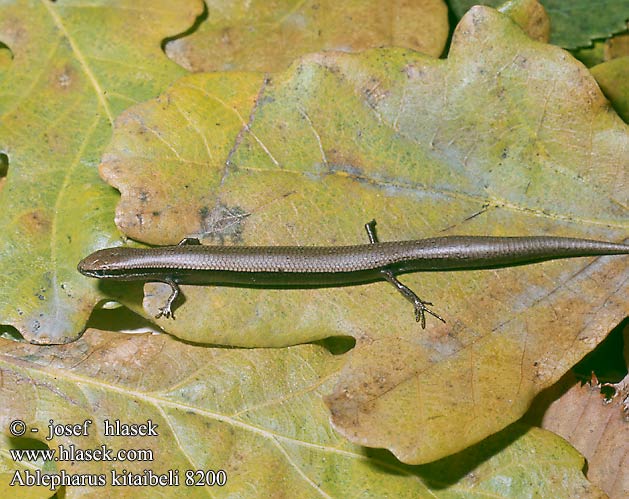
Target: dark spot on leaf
[(47, 276), (204, 211), (64, 77), (521, 61), (35, 221), (157, 213), (413, 72), (267, 99), (225, 36), (223, 222), (505, 153)]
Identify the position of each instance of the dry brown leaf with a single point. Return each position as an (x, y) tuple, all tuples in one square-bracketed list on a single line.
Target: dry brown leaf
[(595, 426)]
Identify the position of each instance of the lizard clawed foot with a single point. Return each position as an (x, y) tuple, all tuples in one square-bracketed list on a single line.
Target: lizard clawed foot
[(421, 310), (421, 306), (166, 312)]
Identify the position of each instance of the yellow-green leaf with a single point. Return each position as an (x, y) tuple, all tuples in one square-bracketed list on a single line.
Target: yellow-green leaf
[(268, 35), (591, 56), (505, 137), (74, 67), (613, 78), (530, 16), (614, 47), (256, 414), (574, 23)]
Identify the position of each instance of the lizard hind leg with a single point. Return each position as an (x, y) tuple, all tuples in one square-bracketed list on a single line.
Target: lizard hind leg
[(421, 308), (420, 305), (166, 310)]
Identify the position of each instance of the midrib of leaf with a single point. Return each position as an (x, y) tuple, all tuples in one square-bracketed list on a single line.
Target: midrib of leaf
[(193, 463), (489, 202), (290, 460), (69, 174), (493, 201), (159, 403), (81, 58)]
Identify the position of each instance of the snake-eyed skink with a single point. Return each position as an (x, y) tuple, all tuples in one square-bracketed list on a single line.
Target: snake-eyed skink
[(192, 263)]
